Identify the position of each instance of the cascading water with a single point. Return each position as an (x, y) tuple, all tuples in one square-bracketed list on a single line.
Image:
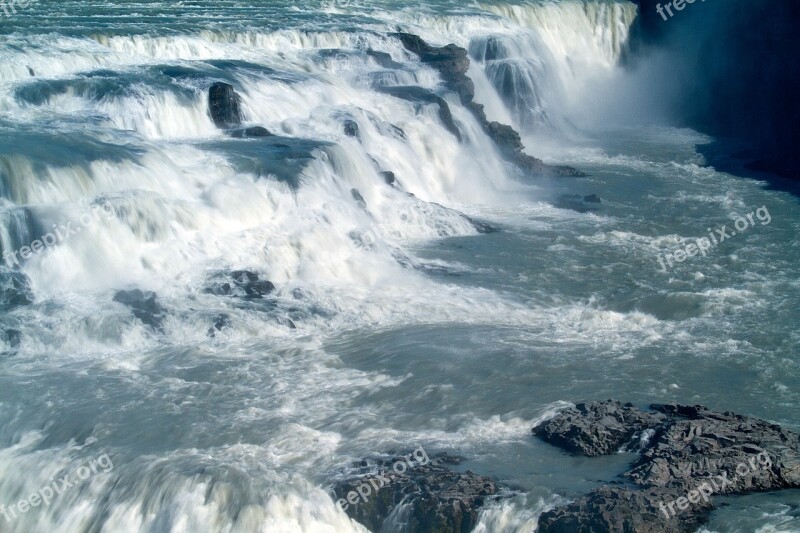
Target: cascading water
[(234, 413)]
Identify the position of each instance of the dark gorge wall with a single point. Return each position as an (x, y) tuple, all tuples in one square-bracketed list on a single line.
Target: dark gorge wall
[(734, 66)]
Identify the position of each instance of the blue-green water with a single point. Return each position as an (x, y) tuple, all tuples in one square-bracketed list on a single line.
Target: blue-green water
[(394, 325)]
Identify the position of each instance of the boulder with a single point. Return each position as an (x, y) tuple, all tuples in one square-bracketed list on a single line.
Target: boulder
[(351, 128), (224, 105), (144, 306), (389, 177), (250, 133), (422, 497), (597, 428)]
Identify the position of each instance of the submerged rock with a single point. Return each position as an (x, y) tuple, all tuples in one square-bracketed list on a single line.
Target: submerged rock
[(412, 494), (351, 128), (688, 455), (577, 203), (358, 198), (421, 95), (221, 322), (248, 133), (144, 306), (239, 284), (224, 105)]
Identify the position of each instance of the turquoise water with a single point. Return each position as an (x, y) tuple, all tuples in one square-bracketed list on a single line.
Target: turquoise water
[(393, 326)]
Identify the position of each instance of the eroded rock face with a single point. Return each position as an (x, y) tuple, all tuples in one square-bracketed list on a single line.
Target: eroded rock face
[(452, 63), (597, 428), (689, 455), (224, 105), (434, 498)]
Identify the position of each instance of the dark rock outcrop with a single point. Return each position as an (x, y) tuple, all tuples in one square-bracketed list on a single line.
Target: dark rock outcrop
[(621, 509), (15, 290), (239, 284), (688, 455), (597, 428), (383, 59), (421, 95), (434, 498), (250, 133), (351, 129), (577, 203), (221, 322), (224, 105), (389, 177), (144, 306), (452, 63)]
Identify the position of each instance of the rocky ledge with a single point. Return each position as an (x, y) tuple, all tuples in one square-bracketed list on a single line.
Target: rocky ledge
[(414, 494), (688, 454), (452, 63)]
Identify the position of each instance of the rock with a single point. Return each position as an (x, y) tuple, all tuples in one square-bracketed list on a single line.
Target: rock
[(621, 509), (577, 203), (351, 128), (388, 177), (221, 322), (597, 428), (224, 105), (704, 443), (358, 198), (592, 199), (253, 132), (31, 72), (425, 497), (239, 284), (687, 453), (144, 305), (13, 338), (15, 290), (420, 95), (383, 59), (452, 63), (482, 227)]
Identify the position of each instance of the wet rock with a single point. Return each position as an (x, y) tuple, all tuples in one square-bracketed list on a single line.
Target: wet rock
[(577, 203), (422, 496), (383, 59), (15, 290), (224, 105), (13, 338), (388, 177), (31, 72), (700, 443), (239, 284), (482, 227), (351, 129), (221, 322), (250, 133), (689, 455), (621, 509), (597, 428), (592, 199), (452, 63), (358, 198), (420, 95), (144, 306)]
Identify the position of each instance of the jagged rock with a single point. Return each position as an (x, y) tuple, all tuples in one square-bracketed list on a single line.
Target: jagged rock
[(434, 498), (358, 198), (702, 443), (420, 95), (597, 428), (253, 132), (15, 290), (224, 105), (688, 455), (351, 128), (624, 510), (239, 284), (452, 62), (144, 306)]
